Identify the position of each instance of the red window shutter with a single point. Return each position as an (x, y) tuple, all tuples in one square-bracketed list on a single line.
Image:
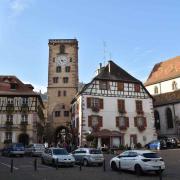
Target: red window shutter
[(145, 122), (117, 121), (101, 103), (135, 121), (89, 121), (100, 121), (88, 102), (137, 88), (127, 121), (120, 86), (121, 105)]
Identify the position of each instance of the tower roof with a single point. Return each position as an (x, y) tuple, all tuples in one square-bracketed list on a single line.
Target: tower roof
[(164, 71)]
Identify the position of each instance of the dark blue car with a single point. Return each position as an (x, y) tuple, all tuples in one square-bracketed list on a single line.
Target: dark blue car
[(156, 145), (13, 149)]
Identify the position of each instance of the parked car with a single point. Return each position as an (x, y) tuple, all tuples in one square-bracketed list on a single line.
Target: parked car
[(171, 142), (156, 144), (88, 156), (177, 142), (13, 149), (139, 161), (57, 156), (34, 149)]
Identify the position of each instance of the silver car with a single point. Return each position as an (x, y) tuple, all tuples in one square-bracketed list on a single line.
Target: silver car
[(88, 156), (34, 149), (57, 156)]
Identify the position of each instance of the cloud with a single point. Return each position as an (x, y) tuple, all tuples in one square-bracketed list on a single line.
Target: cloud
[(18, 6)]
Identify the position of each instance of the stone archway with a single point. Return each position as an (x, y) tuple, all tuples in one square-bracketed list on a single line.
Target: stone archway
[(24, 139)]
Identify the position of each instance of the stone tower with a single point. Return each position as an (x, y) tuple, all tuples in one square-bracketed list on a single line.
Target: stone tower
[(62, 80)]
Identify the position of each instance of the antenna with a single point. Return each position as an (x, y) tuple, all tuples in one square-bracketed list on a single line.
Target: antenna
[(104, 48)]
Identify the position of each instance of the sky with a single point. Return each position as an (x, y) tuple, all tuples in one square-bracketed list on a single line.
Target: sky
[(135, 34)]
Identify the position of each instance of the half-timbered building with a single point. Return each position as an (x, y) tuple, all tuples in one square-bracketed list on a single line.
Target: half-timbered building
[(115, 107), (20, 107)]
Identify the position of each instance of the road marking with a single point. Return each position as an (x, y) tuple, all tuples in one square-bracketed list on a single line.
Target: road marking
[(7, 165)]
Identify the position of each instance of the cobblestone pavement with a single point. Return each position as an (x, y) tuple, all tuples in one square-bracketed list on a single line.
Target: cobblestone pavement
[(24, 170)]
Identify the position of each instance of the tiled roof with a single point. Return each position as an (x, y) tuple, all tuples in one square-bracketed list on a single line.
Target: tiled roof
[(114, 73), (20, 88), (164, 71), (167, 98)]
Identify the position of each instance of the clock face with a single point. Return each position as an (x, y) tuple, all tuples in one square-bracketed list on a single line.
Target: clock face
[(61, 60)]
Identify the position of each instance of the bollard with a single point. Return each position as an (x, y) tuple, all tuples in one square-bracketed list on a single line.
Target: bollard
[(12, 165), (160, 173), (35, 164), (119, 166), (57, 164), (104, 165), (80, 165)]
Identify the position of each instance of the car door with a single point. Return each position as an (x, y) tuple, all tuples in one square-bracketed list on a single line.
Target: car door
[(131, 160), (76, 155), (123, 158)]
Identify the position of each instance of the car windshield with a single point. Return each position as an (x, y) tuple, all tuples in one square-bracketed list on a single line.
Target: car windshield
[(60, 152), (151, 155), (95, 151), (39, 145), (18, 145)]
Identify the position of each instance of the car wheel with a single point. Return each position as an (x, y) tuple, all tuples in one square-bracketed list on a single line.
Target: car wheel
[(85, 162), (138, 169), (113, 166)]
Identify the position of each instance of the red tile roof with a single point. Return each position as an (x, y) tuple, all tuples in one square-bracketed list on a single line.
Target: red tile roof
[(164, 71)]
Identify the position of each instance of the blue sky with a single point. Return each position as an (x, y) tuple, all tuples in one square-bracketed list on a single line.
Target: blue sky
[(135, 34)]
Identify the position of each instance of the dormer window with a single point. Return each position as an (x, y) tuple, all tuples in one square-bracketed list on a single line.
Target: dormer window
[(62, 49), (174, 85), (13, 86)]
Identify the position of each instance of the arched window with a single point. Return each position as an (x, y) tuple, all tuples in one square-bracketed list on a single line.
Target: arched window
[(157, 119), (155, 90), (169, 118), (174, 85)]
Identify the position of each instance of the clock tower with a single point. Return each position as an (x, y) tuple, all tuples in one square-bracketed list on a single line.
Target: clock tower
[(62, 80)]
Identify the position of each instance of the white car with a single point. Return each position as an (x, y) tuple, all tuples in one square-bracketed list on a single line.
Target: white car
[(138, 161), (57, 156)]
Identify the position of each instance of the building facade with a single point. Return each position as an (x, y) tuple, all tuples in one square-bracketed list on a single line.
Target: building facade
[(62, 82), (19, 111), (164, 84), (115, 107)]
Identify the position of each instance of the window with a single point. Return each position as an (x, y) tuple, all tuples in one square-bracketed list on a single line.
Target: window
[(157, 119), (62, 49), (139, 107), (136, 87), (65, 79), (57, 113), (94, 121), (13, 86), (121, 105), (55, 79), (66, 113), (8, 135), (10, 101), (59, 93), (155, 90), (103, 85), (9, 118), (120, 86), (174, 85), (64, 93), (24, 100), (58, 69), (122, 122), (95, 103), (67, 69), (169, 118), (24, 118), (140, 122)]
